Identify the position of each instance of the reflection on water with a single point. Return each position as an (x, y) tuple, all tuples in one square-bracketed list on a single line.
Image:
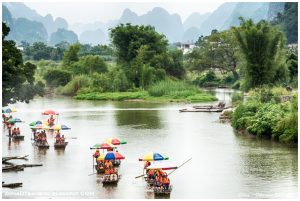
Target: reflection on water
[(139, 119), (224, 165)]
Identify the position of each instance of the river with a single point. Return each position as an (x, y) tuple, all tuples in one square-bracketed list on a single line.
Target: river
[(224, 164)]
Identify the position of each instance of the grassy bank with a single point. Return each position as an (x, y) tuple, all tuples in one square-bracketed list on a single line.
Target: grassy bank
[(164, 91), (144, 95)]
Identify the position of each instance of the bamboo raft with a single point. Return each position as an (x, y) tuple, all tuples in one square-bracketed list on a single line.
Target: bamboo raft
[(18, 167), (60, 145), (11, 185), (202, 110), (161, 191), (18, 137), (111, 179), (41, 146), (5, 159)]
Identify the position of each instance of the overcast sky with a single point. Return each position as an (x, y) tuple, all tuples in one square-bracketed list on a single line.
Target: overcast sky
[(88, 12)]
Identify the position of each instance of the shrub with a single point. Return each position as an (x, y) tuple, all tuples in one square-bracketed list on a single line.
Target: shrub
[(78, 82), (208, 79), (57, 77)]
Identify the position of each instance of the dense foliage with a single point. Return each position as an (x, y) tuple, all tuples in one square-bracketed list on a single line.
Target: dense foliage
[(268, 117), (262, 47), (18, 82)]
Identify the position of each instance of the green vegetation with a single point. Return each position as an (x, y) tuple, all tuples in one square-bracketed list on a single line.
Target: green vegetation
[(18, 82), (268, 117)]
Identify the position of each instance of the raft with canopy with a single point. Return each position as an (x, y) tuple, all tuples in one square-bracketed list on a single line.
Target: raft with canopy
[(58, 127), (110, 178)]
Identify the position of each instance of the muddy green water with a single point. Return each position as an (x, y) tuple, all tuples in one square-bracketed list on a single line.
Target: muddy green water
[(223, 165)]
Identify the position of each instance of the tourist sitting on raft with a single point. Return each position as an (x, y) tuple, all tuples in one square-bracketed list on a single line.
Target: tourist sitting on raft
[(110, 171), (161, 179), (96, 154), (51, 121), (147, 164), (41, 138), (59, 139), (16, 131)]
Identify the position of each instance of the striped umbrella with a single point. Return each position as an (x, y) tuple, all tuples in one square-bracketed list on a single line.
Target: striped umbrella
[(9, 110), (14, 120), (153, 156), (35, 123), (111, 156), (50, 112), (115, 141), (59, 127), (40, 126), (104, 145)]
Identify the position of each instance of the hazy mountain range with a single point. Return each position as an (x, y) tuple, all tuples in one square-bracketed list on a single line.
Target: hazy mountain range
[(27, 24)]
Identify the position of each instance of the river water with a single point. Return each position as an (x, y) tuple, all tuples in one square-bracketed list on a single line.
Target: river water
[(223, 165)]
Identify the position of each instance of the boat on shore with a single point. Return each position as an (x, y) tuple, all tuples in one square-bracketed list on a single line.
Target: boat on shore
[(60, 145)]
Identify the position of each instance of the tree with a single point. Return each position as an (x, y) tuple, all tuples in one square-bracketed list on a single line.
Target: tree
[(18, 79), (128, 38), (56, 77), (262, 47), (88, 65), (71, 55), (217, 51)]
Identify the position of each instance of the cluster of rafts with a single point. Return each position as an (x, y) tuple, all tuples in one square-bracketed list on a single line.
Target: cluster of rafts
[(41, 129), (108, 159)]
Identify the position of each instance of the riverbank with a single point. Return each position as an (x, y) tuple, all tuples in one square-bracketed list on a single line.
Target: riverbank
[(268, 115), (145, 96)]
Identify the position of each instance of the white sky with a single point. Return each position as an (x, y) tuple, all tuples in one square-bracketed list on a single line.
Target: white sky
[(88, 12)]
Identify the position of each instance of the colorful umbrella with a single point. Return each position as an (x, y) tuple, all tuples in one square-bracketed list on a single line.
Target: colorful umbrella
[(59, 127), (161, 166), (153, 157), (115, 141), (104, 145), (9, 110), (110, 156), (35, 123), (14, 120), (39, 126), (50, 112)]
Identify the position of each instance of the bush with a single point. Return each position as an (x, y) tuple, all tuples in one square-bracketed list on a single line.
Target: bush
[(208, 79), (237, 97), (57, 77), (173, 88), (77, 83)]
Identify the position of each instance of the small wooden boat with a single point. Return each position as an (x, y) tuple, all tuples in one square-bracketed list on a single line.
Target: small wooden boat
[(111, 179), (60, 145)]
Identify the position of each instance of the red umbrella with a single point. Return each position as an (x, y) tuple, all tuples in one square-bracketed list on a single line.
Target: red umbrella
[(50, 112)]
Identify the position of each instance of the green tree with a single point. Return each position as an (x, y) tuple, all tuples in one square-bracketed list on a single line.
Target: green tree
[(262, 47), (71, 55), (17, 78), (128, 38), (57, 77), (217, 51)]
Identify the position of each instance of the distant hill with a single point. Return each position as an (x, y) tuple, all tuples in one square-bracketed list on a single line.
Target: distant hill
[(255, 10), (20, 10), (63, 35), (170, 25), (22, 29), (93, 37), (195, 20), (274, 9)]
